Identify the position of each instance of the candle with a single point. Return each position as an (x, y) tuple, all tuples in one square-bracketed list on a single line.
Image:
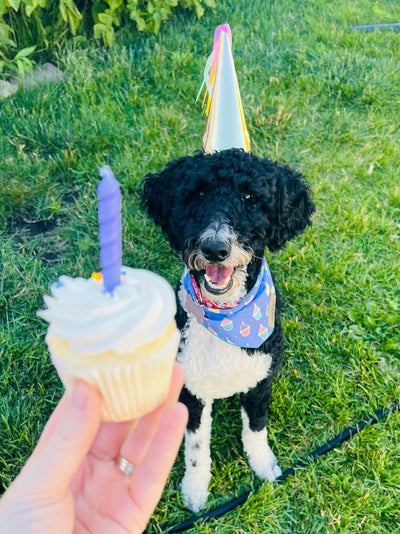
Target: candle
[(109, 210)]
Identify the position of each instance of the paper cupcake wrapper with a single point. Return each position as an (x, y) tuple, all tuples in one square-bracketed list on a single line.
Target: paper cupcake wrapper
[(129, 390)]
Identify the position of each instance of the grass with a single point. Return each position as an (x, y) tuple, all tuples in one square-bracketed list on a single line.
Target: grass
[(317, 95)]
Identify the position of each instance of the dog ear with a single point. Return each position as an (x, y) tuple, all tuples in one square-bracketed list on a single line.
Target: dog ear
[(160, 192), (292, 207)]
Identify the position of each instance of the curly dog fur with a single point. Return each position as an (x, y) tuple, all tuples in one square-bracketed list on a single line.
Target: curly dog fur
[(221, 211)]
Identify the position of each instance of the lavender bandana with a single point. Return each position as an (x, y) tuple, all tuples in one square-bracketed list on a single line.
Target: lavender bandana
[(247, 324)]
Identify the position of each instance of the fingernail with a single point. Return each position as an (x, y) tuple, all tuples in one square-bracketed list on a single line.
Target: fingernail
[(79, 395)]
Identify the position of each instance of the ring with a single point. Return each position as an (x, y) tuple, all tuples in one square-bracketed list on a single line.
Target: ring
[(125, 467)]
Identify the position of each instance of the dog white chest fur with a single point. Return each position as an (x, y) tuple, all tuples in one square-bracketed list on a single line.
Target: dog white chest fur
[(216, 370)]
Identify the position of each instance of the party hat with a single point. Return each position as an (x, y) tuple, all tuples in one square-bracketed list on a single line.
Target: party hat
[(226, 125)]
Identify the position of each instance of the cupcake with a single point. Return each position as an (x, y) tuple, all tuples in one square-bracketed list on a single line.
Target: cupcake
[(115, 331)]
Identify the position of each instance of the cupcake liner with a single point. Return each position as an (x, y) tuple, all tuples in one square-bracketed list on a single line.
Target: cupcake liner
[(129, 390)]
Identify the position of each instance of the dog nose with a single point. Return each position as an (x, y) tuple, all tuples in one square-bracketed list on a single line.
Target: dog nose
[(215, 251)]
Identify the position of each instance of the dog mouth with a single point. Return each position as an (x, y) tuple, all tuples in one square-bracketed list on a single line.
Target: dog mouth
[(218, 278)]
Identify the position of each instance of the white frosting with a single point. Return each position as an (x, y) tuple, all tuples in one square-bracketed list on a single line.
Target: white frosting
[(94, 321)]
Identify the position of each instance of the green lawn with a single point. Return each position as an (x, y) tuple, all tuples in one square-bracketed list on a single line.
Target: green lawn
[(317, 95)]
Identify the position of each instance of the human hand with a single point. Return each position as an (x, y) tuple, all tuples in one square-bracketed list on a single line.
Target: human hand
[(71, 483)]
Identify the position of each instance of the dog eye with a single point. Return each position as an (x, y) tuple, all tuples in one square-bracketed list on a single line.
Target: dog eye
[(201, 193), (246, 196)]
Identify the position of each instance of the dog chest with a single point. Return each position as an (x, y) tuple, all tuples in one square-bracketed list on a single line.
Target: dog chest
[(215, 369)]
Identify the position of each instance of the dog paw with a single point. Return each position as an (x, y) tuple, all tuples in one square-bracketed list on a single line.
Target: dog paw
[(266, 467), (195, 494), (272, 471)]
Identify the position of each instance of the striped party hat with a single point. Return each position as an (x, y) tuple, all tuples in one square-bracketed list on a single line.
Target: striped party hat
[(226, 125)]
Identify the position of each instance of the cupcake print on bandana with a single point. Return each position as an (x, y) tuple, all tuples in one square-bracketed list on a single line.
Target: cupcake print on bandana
[(249, 323)]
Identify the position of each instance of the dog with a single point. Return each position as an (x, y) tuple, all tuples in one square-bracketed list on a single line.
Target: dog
[(221, 211)]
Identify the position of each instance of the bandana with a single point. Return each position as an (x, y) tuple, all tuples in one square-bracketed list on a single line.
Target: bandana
[(246, 324)]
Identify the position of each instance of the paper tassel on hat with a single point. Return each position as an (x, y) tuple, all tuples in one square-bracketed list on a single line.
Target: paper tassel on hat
[(226, 125)]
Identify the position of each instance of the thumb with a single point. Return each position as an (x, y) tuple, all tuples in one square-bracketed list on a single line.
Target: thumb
[(63, 446)]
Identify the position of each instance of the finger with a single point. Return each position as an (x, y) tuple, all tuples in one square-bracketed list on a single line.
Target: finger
[(55, 417), (109, 440), (137, 443), (149, 477), (53, 464)]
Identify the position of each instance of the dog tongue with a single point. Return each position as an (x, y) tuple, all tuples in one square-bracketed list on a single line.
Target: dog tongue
[(218, 274)]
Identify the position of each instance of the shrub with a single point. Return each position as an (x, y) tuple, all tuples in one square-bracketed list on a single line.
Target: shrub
[(29, 26)]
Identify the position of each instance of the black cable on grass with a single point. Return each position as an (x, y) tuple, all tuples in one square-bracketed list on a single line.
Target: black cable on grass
[(234, 503)]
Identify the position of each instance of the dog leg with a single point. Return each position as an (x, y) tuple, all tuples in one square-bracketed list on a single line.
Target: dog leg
[(254, 434), (194, 484)]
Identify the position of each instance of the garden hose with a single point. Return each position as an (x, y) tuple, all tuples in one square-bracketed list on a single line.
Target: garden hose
[(237, 501)]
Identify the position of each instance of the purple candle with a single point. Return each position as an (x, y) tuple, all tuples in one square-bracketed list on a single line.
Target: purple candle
[(109, 210)]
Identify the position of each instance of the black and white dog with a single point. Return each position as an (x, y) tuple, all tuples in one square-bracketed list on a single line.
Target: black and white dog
[(221, 211)]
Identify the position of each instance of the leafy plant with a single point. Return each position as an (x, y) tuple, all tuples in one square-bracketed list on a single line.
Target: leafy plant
[(29, 26), (20, 63)]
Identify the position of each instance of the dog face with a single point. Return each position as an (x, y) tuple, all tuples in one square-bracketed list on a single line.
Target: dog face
[(222, 210)]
